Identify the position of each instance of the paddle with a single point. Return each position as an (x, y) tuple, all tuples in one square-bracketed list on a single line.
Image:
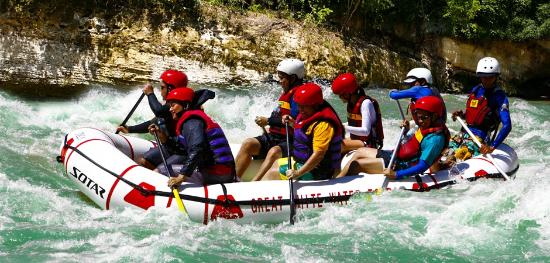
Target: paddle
[(170, 174), (290, 182), (131, 111), (474, 138), (392, 160)]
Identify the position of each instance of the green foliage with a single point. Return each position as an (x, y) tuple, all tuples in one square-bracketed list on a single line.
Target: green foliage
[(516, 20), (318, 15), (376, 11), (502, 19), (461, 14)]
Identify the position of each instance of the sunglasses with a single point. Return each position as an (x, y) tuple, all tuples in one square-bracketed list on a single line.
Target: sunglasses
[(422, 116)]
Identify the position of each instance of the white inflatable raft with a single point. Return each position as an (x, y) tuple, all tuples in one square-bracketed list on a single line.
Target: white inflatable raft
[(103, 166)]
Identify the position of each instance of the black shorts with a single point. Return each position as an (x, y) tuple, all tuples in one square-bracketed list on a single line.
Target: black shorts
[(267, 141), (385, 155)]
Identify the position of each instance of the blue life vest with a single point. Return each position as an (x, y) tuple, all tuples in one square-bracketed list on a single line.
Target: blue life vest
[(222, 161)]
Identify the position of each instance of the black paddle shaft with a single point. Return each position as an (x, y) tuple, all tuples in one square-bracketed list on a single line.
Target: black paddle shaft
[(131, 111), (290, 182), (168, 168)]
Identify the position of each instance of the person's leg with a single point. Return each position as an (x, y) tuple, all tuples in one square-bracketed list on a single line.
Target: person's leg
[(273, 173), (272, 156), (350, 145), (151, 158), (175, 161), (361, 153), (366, 165), (249, 148)]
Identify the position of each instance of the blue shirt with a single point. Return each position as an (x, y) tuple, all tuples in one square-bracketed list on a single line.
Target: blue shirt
[(430, 148), (414, 93), (497, 101), (417, 92)]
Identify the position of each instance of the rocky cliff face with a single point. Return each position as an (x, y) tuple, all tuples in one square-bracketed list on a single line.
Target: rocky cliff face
[(229, 46)]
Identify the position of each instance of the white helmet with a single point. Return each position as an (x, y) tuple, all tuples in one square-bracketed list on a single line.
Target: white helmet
[(418, 73), (488, 66), (292, 66)]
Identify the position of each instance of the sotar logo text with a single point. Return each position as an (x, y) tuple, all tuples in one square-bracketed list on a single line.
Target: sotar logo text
[(80, 176)]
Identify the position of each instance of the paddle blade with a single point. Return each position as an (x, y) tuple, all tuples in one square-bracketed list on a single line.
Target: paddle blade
[(178, 201)]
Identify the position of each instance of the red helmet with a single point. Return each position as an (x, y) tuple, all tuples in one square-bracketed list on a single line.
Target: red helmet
[(174, 78), (309, 94), (344, 84), (181, 94), (431, 104)]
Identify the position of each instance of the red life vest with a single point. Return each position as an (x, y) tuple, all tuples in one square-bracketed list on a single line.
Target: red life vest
[(282, 109), (210, 124), (376, 136), (223, 162), (476, 110), (479, 114), (410, 151)]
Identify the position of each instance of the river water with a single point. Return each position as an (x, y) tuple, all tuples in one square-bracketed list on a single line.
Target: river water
[(44, 218)]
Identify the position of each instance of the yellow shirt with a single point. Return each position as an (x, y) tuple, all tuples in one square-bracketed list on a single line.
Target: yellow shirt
[(322, 135)]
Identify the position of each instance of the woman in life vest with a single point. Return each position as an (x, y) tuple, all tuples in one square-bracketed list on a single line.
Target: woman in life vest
[(207, 155), (169, 80), (271, 145), (419, 81), (316, 150), (486, 108), (416, 154), (364, 117)]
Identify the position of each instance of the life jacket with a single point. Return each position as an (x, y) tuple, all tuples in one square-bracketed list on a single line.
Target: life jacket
[(410, 151), (375, 139), (280, 111), (222, 162), (303, 143), (479, 113)]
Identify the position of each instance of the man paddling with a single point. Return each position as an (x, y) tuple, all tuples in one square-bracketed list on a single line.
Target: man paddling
[(207, 157), (486, 108), (271, 145), (169, 80), (318, 134), (417, 154), (364, 116), (419, 81)]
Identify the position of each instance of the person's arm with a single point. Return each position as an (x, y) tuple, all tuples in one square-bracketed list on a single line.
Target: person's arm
[(368, 115), (322, 136), (402, 94), (275, 120), (193, 131), (140, 128), (504, 114), (314, 160), (418, 168), (154, 104), (431, 147)]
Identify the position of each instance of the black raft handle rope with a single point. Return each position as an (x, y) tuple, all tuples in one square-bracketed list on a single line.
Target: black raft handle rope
[(225, 203)]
